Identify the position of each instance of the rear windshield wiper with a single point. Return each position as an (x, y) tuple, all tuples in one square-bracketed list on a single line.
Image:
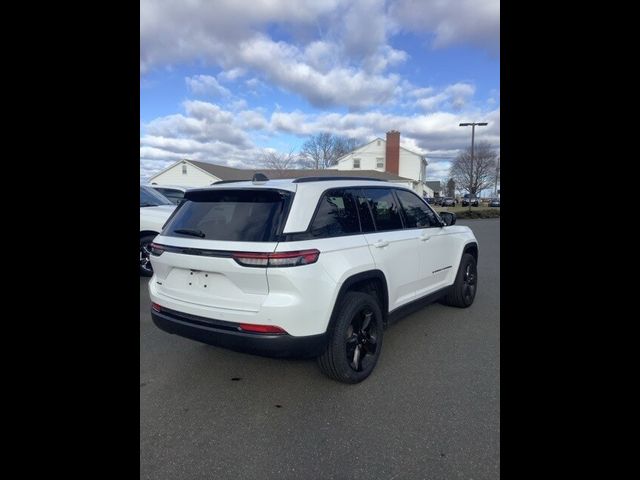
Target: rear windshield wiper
[(188, 231)]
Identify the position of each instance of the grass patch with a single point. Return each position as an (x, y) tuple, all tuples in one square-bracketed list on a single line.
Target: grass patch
[(476, 212)]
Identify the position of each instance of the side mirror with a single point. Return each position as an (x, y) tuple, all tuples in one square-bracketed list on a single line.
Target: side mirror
[(448, 218)]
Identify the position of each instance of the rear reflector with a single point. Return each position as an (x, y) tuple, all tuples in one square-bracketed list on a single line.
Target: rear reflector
[(248, 327), (156, 307), (275, 260)]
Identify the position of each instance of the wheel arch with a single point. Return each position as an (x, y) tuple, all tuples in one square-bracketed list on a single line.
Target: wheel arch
[(370, 281), (472, 249)]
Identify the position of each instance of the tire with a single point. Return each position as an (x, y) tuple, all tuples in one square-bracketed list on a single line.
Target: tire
[(339, 360), (145, 265), (465, 286)]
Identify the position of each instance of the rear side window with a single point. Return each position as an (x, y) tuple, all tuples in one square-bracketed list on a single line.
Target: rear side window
[(385, 209), (336, 215), (231, 215), (416, 213)]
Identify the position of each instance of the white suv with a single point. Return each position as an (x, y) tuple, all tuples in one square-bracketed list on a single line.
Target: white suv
[(306, 267), (155, 210)]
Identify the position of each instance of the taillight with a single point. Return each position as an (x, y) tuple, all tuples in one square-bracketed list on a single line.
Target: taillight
[(276, 260), (156, 249), (156, 307), (248, 327)]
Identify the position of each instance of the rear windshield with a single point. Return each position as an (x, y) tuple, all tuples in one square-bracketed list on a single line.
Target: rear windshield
[(233, 215)]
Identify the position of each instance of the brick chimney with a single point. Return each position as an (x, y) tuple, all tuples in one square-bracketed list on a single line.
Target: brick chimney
[(392, 154)]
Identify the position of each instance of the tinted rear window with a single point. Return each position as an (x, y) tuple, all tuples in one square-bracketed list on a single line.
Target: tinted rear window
[(231, 215)]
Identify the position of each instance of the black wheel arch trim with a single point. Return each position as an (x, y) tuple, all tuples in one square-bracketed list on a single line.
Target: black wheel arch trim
[(357, 278), (471, 246)]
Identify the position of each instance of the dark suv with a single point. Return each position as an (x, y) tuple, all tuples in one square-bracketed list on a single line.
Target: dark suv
[(470, 199)]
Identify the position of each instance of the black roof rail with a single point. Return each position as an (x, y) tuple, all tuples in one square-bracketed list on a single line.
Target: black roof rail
[(220, 182), (330, 179)]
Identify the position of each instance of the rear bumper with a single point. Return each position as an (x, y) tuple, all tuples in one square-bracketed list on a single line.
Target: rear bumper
[(227, 335)]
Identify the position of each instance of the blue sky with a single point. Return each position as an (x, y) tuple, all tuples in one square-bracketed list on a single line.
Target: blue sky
[(223, 80)]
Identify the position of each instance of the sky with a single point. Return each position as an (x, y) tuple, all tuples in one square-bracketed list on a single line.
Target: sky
[(224, 81)]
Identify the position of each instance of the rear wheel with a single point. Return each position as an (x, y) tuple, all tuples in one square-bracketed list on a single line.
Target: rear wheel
[(355, 343), (145, 252), (464, 288)]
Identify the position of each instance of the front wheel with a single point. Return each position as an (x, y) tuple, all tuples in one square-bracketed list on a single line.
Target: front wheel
[(355, 342), (145, 253), (463, 291)]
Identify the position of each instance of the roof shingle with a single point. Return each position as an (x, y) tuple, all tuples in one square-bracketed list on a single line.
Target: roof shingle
[(230, 173)]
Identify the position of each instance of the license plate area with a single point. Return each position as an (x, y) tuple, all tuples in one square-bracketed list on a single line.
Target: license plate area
[(201, 281)]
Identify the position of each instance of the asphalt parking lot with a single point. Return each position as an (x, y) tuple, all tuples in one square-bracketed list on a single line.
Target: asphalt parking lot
[(430, 410)]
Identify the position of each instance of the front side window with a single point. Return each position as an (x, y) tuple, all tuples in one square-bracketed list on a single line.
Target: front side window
[(385, 209), (336, 215), (416, 213)]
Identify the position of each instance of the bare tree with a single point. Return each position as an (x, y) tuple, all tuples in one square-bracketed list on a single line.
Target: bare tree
[(477, 175), (324, 149), (278, 161)]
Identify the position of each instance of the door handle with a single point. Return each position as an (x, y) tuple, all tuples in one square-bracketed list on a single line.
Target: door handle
[(381, 243), (424, 238)]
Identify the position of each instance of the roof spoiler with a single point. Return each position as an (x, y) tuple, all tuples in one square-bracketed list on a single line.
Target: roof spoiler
[(220, 182)]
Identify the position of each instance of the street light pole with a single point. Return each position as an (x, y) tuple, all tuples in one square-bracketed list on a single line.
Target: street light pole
[(473, 133), (495, 187)]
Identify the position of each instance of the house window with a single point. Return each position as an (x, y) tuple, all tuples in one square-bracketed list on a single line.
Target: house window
[(378, 142), (184, 169), (356, 163), (379, 162)]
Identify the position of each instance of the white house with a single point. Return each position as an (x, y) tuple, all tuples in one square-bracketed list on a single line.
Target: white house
[(389, 156), (192, 173)]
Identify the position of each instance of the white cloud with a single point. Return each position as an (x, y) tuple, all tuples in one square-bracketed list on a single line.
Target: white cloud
[(452, 22), (208, 132), (206, 85), (284, 65), (173, 32), (240, 104), (456, 96), (346, 69), (429, 132), (337, 53), (231, 75)]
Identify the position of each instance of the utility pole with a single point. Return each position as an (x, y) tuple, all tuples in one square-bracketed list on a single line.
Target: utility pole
[(473, 132), (495, 187)]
